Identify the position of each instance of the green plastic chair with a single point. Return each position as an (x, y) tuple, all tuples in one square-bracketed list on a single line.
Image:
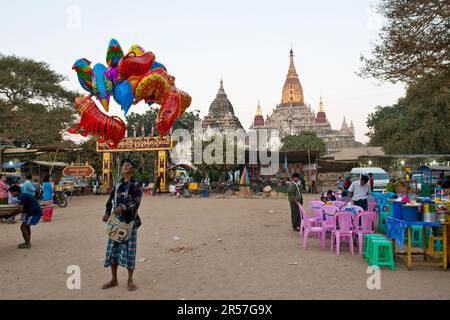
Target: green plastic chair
[(417, 236), (381, 253), (367, 239), (382, 218), (437, 244)]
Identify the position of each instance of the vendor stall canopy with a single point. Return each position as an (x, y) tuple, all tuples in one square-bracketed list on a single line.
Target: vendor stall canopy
[(10, 165)]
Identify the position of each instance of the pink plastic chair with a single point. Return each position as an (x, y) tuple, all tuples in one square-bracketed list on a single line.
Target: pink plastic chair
[(329, 212), (309, 229), (313, 221), (338, 204), (372, 206), (316, 209), (358, 209), (365, 223), (343, 228)]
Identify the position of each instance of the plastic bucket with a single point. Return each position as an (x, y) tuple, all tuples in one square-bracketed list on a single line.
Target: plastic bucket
[(398, 210), (430, 217), (410, 213)]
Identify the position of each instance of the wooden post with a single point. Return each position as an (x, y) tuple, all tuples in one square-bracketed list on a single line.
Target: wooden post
[(107, 171), (447, 226), (409, 249), (394, 248), (54, 160), (162, 170), (424, 242), (444, 246)]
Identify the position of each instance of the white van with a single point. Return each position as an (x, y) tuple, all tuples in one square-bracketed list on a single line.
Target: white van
[(380, 177)]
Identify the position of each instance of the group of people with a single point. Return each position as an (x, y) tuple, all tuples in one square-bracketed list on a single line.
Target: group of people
[(26, 196), (345, 184), (358, 191), (123, 203), (34, 189)]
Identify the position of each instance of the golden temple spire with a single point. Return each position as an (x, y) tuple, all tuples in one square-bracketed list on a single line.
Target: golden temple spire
[(259, 110), (292, 73), (292, 90), (321, 106)]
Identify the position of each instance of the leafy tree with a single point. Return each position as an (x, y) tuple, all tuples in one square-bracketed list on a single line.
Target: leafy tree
[(418, 123), (146, 120), (386, 118), (187, 121), (87, 152), (413, 43), (217, 169), (149, 118), (33, 102), (413, 48), (147, 160), (303, 141)]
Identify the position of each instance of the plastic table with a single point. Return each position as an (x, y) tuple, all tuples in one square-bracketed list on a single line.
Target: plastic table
[(409, 225)]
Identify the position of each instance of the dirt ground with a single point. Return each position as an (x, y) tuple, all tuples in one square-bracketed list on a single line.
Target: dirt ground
[(227, 249)]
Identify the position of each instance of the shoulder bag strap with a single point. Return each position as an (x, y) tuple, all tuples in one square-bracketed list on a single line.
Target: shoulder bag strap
[(127, 194)]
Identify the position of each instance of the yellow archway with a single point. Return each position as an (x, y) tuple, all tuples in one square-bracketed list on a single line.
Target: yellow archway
[(140, 144)]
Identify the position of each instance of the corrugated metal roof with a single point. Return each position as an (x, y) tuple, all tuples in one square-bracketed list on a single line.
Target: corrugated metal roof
[(50, 164), (348, 154), (439, 168)]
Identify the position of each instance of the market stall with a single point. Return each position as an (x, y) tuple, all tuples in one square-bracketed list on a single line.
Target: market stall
[(421, 218)]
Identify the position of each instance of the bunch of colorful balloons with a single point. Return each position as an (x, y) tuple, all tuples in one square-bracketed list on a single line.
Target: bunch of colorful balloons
[(130, 79)]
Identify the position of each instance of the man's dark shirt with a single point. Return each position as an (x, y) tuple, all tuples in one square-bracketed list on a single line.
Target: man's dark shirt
[(129, 201), (30, 205)]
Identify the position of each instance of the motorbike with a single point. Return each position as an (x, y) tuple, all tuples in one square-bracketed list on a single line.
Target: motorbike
[(60, 199)]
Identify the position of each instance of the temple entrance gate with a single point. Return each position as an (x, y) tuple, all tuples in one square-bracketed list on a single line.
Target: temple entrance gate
[(139, 144)]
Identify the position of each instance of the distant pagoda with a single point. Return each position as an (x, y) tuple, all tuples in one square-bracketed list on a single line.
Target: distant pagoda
[(221, 115)]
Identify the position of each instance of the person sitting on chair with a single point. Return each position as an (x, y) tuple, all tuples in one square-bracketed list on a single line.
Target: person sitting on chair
[(329, 197)]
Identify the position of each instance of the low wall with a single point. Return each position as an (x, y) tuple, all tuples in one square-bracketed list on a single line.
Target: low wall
[(329, 181)]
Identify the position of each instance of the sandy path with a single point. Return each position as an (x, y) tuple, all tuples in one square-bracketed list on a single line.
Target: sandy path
[(257, 257)]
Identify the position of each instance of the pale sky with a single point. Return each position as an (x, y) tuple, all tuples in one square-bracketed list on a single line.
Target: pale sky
[(245, 42)]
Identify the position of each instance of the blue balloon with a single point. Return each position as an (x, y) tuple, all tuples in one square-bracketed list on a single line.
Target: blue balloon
[(101, 85), (156, 65), (123, 94)]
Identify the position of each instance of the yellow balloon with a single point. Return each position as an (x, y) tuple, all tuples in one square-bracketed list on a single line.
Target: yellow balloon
[(136, 50)]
